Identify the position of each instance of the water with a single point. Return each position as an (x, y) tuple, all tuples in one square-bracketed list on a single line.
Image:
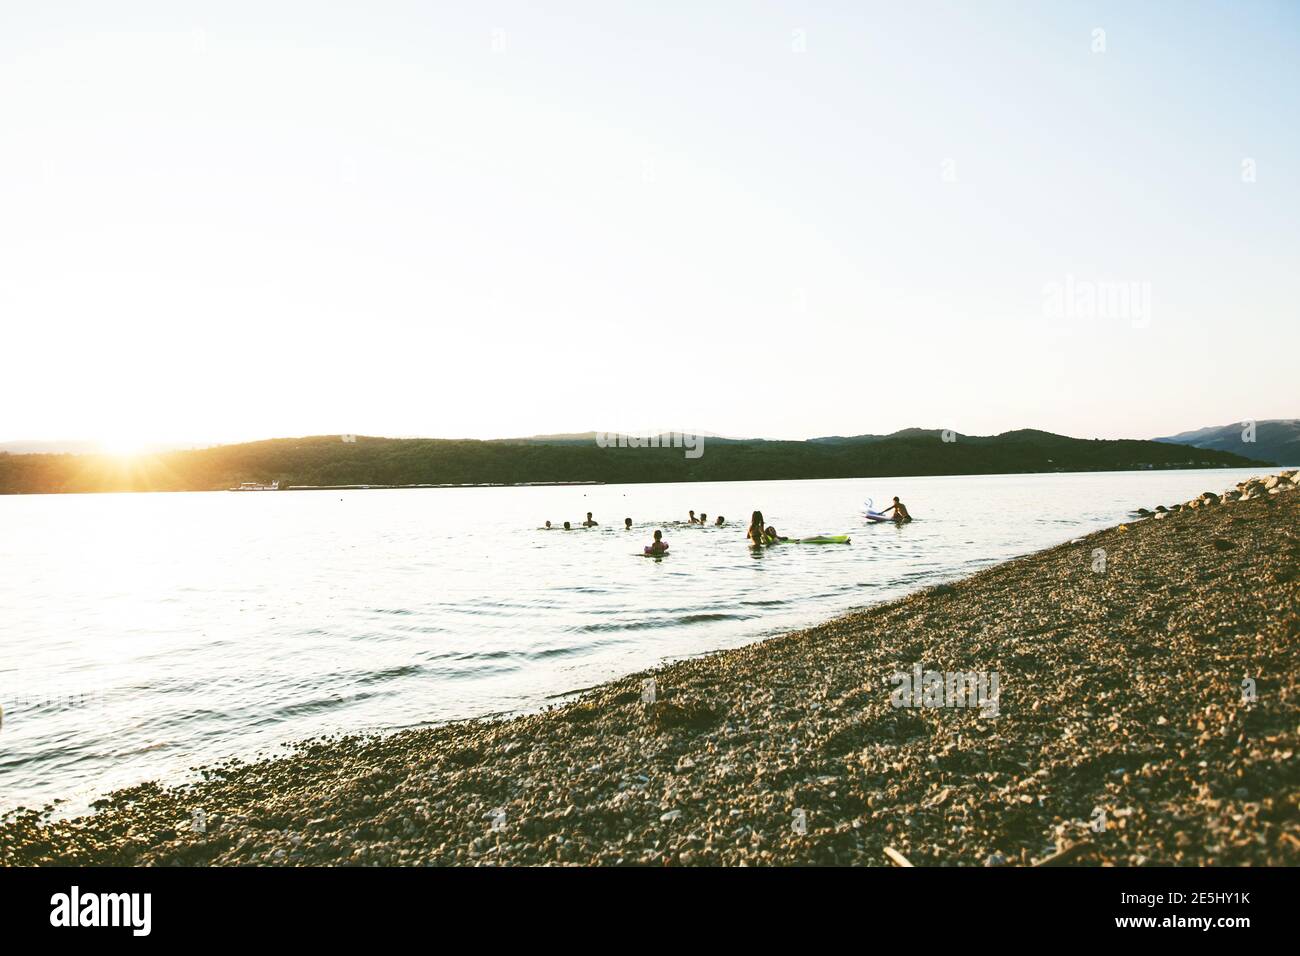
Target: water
[(145, 634)]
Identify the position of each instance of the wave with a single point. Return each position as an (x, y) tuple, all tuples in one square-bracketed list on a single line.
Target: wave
[(644, 624)]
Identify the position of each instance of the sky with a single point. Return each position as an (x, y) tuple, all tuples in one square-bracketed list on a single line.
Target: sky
[(231, 221)]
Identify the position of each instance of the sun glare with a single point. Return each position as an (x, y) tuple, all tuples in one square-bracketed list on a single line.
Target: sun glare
[(122, 446)]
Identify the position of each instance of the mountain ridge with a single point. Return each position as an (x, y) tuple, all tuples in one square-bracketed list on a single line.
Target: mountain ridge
[(351, 460), (1275, 440)]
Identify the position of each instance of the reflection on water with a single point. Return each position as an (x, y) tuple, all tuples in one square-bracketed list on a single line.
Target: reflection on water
[(141, 635)]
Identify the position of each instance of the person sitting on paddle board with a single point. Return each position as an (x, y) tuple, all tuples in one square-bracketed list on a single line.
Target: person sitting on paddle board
[(589, 523), (899, 509), (660, 546), (627, 524)]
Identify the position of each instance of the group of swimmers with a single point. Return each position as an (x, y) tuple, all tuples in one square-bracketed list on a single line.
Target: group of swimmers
[(760, 533), (659, 546), (589, 523), (703, 519)]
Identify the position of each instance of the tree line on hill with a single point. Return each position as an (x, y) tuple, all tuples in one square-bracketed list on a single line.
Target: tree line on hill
[(330, 460)]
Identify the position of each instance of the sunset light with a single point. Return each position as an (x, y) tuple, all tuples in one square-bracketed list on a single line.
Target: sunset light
[(123, 445)]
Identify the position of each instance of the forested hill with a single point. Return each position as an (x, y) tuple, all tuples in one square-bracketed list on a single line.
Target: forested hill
[(1275, 440), (329, 460)]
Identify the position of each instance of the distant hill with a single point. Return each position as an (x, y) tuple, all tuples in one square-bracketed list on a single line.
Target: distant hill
[(1277, 440), (49, 447), (78, 447), (328, 460)]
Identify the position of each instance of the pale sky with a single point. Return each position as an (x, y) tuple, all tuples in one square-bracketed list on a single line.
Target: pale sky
[(233, 220)]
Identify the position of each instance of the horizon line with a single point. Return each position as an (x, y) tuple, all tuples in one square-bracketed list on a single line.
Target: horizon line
[(169, 445)]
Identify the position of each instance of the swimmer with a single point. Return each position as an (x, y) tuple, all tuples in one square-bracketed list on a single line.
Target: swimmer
[(627, 524), (694, 520), (900, 511), (720, 522), (755, 532), (567, 527), (589, 523), (660, 546)]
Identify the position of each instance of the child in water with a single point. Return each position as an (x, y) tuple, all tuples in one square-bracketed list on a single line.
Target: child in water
[(660, 546)]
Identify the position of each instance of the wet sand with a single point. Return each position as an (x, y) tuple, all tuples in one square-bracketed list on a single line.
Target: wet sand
[(1147, 713)]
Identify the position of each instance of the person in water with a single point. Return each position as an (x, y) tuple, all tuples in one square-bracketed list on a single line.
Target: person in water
[(755, 532), (704, 519), (566, 526), (627, 524), (660, 546), (900, 511), (548, 527), (720, 522), (771, 536), (694, 520), (589, 523)]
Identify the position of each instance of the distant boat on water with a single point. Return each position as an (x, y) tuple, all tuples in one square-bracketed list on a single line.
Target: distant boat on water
[(256, 486)]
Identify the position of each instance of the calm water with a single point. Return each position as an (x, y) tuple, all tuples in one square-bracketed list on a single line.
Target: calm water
[(141, 635)]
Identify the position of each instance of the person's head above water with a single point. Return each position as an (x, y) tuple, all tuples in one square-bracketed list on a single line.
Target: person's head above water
[(548, 524), (720, 521), (566, 526), (627, 523), (895, 497), (756, 519), (659, 535), (588, 515), (703, 517)]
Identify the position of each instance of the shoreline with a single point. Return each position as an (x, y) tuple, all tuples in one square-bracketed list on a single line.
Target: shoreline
[(1115, 685), (1134, 468)]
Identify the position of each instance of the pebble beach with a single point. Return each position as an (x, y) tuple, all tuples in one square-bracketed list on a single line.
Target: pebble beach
[(1146, 712)]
